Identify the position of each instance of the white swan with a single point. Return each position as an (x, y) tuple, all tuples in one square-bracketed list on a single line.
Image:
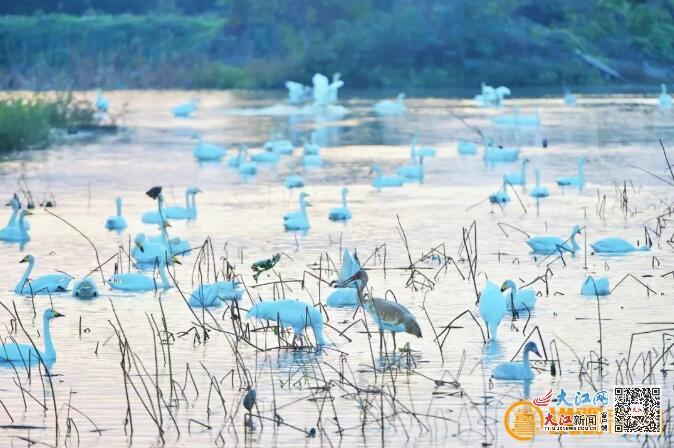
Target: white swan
[(388, 107), (47, 284), (26, 354), (341, 213)]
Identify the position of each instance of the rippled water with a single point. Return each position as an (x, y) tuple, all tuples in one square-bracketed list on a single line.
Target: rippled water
[(617, 135)]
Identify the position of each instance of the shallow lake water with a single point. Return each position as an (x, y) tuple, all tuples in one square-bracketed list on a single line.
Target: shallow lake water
[(432, 397)]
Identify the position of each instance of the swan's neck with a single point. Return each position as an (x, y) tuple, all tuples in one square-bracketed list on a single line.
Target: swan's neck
[(193, 206), (187, 199), (580, 170), (525, 361), (119, 208), (344, 200), (318, 332), (22, 227), (523, 169), (12, 218), (29, 269), (573, 242), (538, 179), (49, 351), (164, 278)]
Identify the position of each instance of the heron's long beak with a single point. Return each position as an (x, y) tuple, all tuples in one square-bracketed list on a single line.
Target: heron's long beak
[(354, 277), (57, 314)]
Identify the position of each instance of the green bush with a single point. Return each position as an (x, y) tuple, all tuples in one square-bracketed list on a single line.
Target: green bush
[(27, 122)]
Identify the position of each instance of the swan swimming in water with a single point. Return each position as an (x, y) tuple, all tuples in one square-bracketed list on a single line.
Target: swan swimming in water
[(280, 146), (294, 181), (215, 294), (245, 167), (17, 233), (47, 284), (297, 93), (15, 203), (26, 354), (135, 281), (578, 180), (665, 101), (380, 181), (341, 213), (518, 178), (388, 107), (491, 97), (185, 110), (466, 148), (85, 289), (499, 154), (517, 370), (522, 299), (298, 220), (492, 308), (290, 313), (595, 286), (551, 244), (176, 211), (208, 152), (539, 191), (116, 222), (190, 209), (102, 103), (615, 245), (389, 316), (414, 172), (501, 196), (569, 98)]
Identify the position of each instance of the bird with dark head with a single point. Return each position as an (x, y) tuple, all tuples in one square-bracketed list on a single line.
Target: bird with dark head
[(389, 316), (154, 192)]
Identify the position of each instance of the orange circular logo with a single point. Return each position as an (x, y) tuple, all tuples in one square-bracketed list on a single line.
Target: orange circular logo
[(522, 420)]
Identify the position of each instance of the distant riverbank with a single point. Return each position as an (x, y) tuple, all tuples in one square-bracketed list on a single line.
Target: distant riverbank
[(55, 51)]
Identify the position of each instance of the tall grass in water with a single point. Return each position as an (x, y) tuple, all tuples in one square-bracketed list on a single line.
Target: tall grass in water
[(28, 122)]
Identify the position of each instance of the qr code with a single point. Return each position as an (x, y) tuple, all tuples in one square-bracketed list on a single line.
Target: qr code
[(636, 409)]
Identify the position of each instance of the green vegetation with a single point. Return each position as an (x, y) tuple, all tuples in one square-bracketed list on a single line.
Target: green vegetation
[(373, 43), (28, 122)]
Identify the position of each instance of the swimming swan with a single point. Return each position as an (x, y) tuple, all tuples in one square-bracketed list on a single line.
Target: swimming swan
[(578, 180), (517, 370), (135, 281), (380, 181), (551, 244), (539, 191), (116, 222), (85, 289), (595, 286), (522, 299), (207, 152), (615, 245), (388, 107), (47, 284), (298, 220), (26, 353), (665, 101), (15, 203), (17, 233), (341, 213)]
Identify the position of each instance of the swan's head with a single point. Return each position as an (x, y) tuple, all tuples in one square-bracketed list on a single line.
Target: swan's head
[(401, 96), (303, 199), (374, 168), (663, 87), (154, 192), (118, 201), (525, 161), (345, 191), (27, 259), (139, 241), (193, 190), (508, 284), (575, 230), (531, 347), (15, 203), (24, 213), (50, 314)]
